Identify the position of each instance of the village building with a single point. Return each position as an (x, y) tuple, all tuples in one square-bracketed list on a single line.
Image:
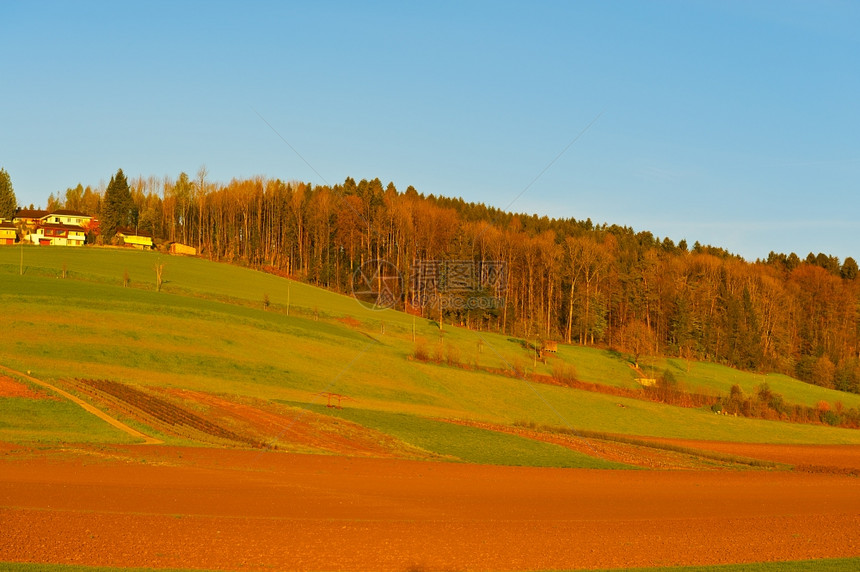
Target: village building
[(8, 232), (68, 217), (54, 228), (58, 235), (31, 218)]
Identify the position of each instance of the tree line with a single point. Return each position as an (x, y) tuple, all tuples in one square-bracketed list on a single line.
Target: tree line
[(566, 279)]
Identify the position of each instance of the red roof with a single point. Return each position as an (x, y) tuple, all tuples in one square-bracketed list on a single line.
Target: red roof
[(66, 212), (7, 225), (31, 213)]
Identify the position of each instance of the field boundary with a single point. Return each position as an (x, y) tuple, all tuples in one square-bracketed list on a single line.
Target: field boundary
[(147, 440)]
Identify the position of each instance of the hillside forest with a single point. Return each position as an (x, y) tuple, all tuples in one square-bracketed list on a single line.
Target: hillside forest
[(565, 279)]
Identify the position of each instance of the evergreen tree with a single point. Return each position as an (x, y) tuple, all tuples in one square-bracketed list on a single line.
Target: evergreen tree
[(117, 206), (849, 269), (8, 202)]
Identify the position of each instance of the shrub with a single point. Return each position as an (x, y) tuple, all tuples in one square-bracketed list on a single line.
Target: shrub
[(519, 368), (452, 355), (668, 378), (420, 352), (800, 414), (563, 373), (438, 354), (777, 404)]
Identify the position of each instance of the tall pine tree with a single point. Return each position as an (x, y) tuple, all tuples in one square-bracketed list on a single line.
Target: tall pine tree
[(8, 202), (117, 206)]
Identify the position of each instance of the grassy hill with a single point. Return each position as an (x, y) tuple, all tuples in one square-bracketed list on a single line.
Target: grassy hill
[(208, 331)]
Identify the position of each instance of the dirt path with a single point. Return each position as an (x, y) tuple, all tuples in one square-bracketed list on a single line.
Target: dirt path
[(230, 509), (86, 406)]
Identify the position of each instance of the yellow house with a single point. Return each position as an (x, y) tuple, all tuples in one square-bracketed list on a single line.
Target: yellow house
[(135, 238), (68, 217), (8, 232)]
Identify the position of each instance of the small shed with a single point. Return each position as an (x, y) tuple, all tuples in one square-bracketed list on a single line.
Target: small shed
[(184, 249), (135, 238), (551, 347)]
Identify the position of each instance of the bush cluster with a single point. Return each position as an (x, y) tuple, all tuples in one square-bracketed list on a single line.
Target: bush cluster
[(767, 404)]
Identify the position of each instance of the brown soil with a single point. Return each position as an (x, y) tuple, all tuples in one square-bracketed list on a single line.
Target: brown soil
[(349, 321), (11, 388), (161, 506), (295, 430)]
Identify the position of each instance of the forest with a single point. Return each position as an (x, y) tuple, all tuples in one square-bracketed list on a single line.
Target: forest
[(566, 280)]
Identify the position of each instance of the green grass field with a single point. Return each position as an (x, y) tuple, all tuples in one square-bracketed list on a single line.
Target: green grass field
[(467, 444), (48, 422), (208, 331)]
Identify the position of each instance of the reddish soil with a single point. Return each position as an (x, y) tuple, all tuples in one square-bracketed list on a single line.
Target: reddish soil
[(11, 388), (349, 321), (159, 506), (293, 429)]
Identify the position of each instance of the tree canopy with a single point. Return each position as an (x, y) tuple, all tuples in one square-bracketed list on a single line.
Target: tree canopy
[(564, 279), (117, 207), (8, 202)]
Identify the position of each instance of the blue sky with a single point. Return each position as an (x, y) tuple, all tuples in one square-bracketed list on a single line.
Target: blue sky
[(736, 124)]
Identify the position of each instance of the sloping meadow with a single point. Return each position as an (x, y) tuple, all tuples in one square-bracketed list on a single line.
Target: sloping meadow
[(208, 330)]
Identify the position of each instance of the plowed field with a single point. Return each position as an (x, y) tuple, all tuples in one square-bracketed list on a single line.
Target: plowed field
[(161, 506), (11, 388)]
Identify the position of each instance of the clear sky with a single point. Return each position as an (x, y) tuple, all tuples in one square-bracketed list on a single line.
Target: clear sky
[(736, 124)]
